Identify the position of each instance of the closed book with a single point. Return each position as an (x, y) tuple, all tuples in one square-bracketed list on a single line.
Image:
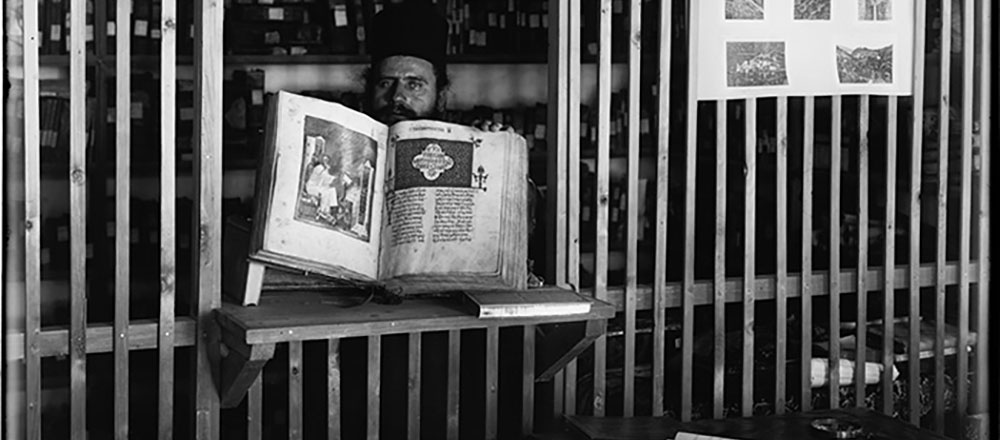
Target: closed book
[(358, 10), (142, 14), (342, 35), (527, 303)]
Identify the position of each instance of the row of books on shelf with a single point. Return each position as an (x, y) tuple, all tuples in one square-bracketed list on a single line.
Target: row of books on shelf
[(244, 113), (144, 234), (144, 28), (618, 209), (285, 27), (298, 27), (531, 121)]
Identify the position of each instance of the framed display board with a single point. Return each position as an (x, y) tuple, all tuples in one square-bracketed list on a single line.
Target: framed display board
[(752, 48)]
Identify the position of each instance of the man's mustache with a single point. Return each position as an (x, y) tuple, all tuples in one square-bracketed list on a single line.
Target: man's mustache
[(396, 110)]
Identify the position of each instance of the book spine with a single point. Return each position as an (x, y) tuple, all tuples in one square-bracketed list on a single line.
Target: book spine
[(141, 16), (360, 28)]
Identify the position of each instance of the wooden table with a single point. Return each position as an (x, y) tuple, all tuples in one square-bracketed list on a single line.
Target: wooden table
[(795, 426), (249, 334)]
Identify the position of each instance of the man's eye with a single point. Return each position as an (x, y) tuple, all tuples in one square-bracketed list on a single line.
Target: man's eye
[(384, 83), (415, 85)]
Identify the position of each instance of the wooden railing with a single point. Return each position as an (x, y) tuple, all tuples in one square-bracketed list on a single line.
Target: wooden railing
[(948, 290)]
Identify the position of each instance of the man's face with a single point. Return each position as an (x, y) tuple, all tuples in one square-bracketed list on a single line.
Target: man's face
[(405, 88)]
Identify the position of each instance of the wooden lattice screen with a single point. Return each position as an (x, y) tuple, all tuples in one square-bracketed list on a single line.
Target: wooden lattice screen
[(941, 288), (775, 256)]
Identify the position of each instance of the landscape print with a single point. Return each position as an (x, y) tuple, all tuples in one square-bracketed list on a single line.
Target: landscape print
[(874, 10), (744, 9), (812, 9), (755, 63), (863, 65)]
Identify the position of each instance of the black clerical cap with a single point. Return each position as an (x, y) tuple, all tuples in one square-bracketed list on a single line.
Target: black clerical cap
[(414, 27)]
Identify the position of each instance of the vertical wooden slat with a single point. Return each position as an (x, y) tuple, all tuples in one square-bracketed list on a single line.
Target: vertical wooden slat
[(632, 220), (888, 318), (78, 221), (556, 135), (834, 333), (603, 149), (295, 390), (862, 304), (569, 388), (255, 409), (208, 202), (3, 205), (558, 394), (451, 402), (687, 303), (781, 258), (123, 134), (916, 149), (965, 207), (749, 253), (573, 123), (980, 383), (944, 136), (32, 224), (573, 28), (719, 277), (413, 386), (3, 194), (662, 168), (601, 204), (333, 388), (528, 381), (808, 149), (168, 195), (374, 384), (492, 375)]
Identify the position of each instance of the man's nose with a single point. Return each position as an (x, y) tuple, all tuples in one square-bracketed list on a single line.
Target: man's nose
[(397, 93)]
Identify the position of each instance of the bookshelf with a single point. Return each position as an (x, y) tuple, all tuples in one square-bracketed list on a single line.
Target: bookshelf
[(497, 67)]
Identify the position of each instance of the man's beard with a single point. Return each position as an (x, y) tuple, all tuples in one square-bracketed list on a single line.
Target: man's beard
[(394, 113)]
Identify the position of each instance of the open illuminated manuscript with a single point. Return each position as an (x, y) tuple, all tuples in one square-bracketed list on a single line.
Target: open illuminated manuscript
[(418, 206)]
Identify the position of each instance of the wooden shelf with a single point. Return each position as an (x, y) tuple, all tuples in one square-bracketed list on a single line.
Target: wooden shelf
[(143, 167), (250, 333), (152, 61), (297, 316), (365, 59), (149, 61)]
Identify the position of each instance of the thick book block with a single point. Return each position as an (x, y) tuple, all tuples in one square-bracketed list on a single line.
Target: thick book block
[(245, 280), (527, 303)]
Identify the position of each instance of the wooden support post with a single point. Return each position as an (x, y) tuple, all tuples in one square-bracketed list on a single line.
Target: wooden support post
[(240, 368), (561, 343)]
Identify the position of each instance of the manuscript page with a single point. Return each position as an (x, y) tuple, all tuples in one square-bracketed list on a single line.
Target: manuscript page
[(323, 188), (446, 186)]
